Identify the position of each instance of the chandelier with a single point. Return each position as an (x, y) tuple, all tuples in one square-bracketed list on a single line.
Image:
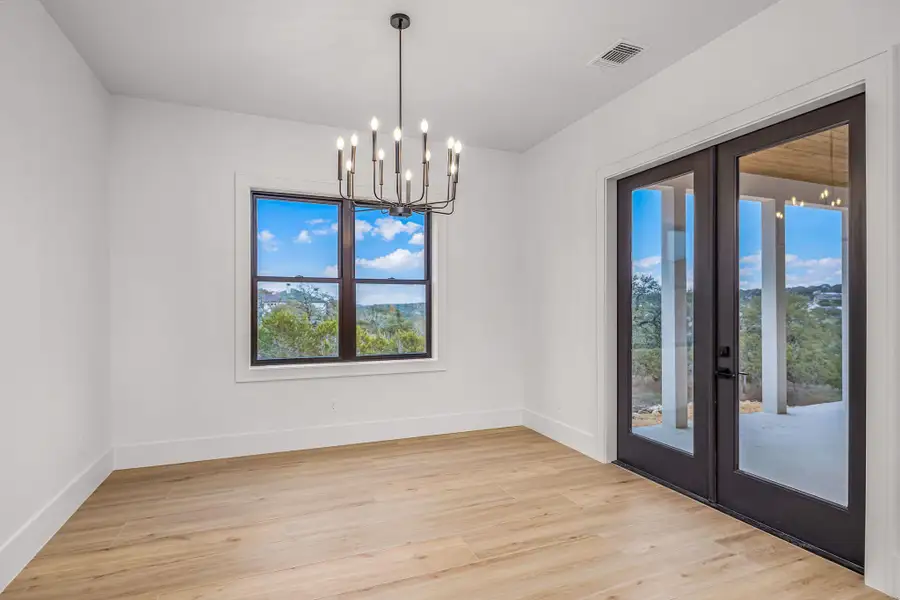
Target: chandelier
[(404, 204)]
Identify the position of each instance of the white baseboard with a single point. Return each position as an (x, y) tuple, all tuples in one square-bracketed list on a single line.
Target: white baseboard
[(247, 444), (574, 438), (25, 543)]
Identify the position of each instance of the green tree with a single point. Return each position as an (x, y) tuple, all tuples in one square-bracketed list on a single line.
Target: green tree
[(813, 336), (283, 333)]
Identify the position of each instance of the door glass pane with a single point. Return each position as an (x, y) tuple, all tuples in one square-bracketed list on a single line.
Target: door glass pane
[(390, 319), (793, 314), (662, 298), (296, 320)]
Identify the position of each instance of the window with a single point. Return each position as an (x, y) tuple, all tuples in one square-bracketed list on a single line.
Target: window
[(330, 284)]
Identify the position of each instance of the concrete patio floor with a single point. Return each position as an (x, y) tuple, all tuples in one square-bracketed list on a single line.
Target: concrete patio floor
[(805, 449)]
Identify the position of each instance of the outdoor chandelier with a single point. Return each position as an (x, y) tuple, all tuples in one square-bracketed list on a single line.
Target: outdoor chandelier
[(405, 204)]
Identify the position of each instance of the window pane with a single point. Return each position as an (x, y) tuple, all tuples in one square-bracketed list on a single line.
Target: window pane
[(794, 353), (390, 247), (662, 313), (296, 239), (390, 319), (296, 320)]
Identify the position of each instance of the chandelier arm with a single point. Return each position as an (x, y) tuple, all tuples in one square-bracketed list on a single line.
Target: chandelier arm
[(439, 205), (445, 213), (368, 209)]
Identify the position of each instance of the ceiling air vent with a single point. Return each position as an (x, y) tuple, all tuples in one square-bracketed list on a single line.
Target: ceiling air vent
[(617, 56)]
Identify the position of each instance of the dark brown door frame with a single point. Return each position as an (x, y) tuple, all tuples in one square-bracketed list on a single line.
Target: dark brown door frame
[(834, 532), (690, 473), (838, 532)]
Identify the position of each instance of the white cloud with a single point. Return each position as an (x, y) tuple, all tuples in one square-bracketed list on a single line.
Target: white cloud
[(267, 240), (400, 259), (362, 228), (389, 227), (303, 238), (330, 271), (754, 259), (417, 239), (334, 227), (316, 221), (322, 231), (648, 262), (814, 271)]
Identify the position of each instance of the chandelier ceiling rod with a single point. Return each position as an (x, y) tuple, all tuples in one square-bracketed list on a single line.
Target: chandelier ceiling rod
[(400, 78), (403, 207)]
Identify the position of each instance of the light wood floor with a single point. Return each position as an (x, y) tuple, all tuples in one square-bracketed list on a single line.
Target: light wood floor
[(490, 515)]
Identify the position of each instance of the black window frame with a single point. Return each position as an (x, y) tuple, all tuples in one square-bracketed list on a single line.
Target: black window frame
[(346, 280)]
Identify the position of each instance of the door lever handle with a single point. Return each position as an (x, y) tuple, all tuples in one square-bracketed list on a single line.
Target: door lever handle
[(725, 374)]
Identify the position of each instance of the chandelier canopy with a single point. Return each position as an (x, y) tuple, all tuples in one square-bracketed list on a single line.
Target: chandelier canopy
[(405, 204)]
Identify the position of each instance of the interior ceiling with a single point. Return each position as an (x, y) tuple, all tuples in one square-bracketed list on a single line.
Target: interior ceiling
[(819, 158), (502, 74)]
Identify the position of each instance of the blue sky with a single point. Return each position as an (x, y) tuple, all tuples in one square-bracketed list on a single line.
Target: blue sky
[(812, 241), (301, 239)]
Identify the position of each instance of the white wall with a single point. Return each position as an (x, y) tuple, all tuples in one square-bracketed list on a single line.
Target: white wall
[(172, 279), (792, 43), (54, 375)]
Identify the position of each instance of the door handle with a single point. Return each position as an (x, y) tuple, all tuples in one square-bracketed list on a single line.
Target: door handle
[(725, 374)]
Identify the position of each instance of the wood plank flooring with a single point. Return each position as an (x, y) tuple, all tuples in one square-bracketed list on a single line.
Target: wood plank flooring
[(497, 515)]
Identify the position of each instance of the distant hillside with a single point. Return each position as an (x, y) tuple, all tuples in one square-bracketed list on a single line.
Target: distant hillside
[(808, 291)]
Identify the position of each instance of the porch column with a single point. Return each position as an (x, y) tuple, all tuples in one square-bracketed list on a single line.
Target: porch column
[(674, 309), (845, 305), (774, 309)]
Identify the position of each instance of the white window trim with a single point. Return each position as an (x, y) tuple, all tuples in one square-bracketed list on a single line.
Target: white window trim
[(244, 186)]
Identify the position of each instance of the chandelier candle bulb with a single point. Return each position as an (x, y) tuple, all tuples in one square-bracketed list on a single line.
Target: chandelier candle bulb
[(457, 148)]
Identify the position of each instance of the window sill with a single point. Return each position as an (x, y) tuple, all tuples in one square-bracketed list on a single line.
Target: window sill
[(346, 369)]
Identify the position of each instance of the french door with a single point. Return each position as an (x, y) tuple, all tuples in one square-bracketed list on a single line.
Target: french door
[(741, 290)]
